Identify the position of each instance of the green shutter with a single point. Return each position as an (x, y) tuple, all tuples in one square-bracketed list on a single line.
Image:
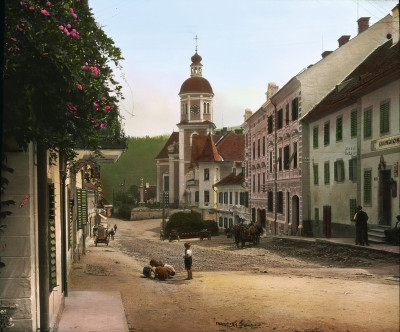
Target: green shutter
[(326, 133), (315, 174), (353, 205), (353, 127), (326, 173), (339, 131), (82, 210), (367, 186), (367, 123), (384, 118), (315, 137)]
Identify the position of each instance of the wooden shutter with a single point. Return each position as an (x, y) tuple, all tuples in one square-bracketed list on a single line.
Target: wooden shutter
[(367, 186), (52, 239), (353, 125), (384, 117), (367, 123), (315, 137)]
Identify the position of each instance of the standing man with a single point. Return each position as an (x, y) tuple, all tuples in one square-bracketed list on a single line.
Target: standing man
[(361, 219)]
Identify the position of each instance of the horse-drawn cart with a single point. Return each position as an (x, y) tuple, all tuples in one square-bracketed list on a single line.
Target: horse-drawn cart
[(173, 235), (102, 235)]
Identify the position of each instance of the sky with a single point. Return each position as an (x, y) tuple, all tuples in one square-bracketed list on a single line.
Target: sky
[(245, 44)]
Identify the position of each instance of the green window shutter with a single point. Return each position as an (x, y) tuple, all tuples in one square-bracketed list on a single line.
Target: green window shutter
[(335, 170), (353, 125), (367, 186), (341, 170), (326, 133), (353, 205), (316, 215), (79, 208), (315, 167), (367, 123), (71, 222), (351, 170), (384, 117), (339, 131), (315, 137), (52, 239), (326, 173)]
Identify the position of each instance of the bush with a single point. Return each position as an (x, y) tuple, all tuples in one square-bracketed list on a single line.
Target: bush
[(124, 211), (190, 222)]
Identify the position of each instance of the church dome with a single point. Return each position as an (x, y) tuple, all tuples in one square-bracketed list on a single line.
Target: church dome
[(196, 84), (196, 59)]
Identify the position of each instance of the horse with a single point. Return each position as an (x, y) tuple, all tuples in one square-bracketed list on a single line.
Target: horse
[(244, 233)]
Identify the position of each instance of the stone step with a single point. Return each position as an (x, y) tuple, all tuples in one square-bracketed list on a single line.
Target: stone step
[(377, 234)]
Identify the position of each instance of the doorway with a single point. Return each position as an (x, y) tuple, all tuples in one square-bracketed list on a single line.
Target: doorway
[(385, 198)]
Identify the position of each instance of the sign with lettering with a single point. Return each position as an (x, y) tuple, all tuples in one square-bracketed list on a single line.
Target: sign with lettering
[(386, 143)]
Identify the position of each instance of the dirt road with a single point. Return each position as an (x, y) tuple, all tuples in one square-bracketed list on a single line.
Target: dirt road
[(240, 289)]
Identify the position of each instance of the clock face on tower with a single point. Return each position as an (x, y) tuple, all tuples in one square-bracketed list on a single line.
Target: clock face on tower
[(195, 109)]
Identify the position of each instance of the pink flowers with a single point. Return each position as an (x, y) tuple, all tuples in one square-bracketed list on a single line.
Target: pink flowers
[(45, 12), (72, 109), (91, 68), (79, 86), (48, 3), (69, 32), (71, 10)]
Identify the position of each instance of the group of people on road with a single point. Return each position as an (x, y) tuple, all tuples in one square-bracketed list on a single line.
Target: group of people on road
[(162, 271), (361, 219)]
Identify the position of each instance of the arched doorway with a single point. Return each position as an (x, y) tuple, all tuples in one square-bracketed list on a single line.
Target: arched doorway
[(295, 213)]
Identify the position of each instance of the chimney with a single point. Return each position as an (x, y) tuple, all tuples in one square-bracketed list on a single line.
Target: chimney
[(272, 89), (363, 24), (343, 40), (247, 114), (325, 54)]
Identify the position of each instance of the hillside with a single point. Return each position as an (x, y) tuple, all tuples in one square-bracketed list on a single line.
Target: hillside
[(136, 162)]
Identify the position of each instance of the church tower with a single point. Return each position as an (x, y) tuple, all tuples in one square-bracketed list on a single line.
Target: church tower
[(196, 109)]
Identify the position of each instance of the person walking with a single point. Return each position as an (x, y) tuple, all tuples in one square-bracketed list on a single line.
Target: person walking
[(115, 228), (361, 219), (188, 260)]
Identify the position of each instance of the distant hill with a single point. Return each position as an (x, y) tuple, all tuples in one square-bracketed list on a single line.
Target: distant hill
[(136, 162)]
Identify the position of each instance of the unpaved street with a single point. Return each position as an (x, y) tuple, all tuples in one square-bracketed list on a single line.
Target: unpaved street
[(261, 288)]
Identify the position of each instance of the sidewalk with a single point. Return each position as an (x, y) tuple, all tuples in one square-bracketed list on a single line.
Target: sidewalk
[(348, 242), (89, 311)]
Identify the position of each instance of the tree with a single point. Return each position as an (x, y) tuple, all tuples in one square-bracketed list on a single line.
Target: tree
[(59, 89)]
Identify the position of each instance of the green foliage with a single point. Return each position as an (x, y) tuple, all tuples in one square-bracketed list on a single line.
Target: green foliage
[(59, 89), (190, 222), (136, 162), (124, 211)]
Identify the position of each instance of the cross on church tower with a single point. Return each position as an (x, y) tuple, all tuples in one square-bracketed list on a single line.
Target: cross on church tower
[(196, 38)]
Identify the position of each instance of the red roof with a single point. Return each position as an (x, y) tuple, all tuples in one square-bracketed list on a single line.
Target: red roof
[(196, 84), (172, 140), (231, 179), (231, 146), (203, 149)]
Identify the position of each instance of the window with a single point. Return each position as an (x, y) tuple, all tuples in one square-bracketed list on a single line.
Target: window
[(263, 182), (339, 129), (241, 202), (287, 114), (225, 222), (326, 172), (315, 137), (279, 207), (236, 198), (279, 119), (225, 197), (253, 214), (206, 196), (295, 109), (338, 170), (353, 205), (246, 199), (270, 201), (384, 117), (353, 124), (258, 148), (234, 171), (280, 159), (316, 215), (220, 198), (326, 133), (294, 155), (367, 186), (315, 169), (206, 174), (270, 162), (258, 182), (166, 183), (196, 196), (230, 197), (368, 123), (269, 126), (254, 183), (220, 222), (254, 150), (286, 157), (263, 146), (353, 169)]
